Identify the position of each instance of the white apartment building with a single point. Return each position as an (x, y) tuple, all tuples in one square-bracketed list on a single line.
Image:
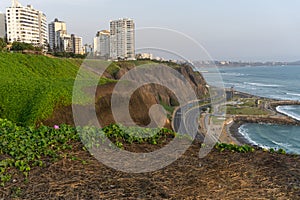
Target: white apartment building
[(88, 48), (145, 56), (25, 24), (61, 41), (77, 44), (122, 39), (65, 43), (102, 44), (2, 26), (57, 29)]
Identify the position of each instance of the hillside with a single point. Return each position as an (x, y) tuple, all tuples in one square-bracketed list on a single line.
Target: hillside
[(140, 102), (32, 85), (35, 89)]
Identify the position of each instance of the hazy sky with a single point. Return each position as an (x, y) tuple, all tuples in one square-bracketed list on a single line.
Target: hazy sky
[(228, 29)]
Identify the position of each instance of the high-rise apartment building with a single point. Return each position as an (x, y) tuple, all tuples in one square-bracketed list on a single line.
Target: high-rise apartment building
[(61, 41), (65, 43), (77, 44), (2, 26), (102, 44), (87, 48), (25, 24), (122, 39), (57, 29)]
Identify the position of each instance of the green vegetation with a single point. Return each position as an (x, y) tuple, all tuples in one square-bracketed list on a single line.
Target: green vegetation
[(113, 69), (247, 106), (249, 102), (21, 46), (244, 148), (232, 110), (93, 137), (24, 148), (69, 55), (2, 44), (234, 148), (31, 86), (279, 151)]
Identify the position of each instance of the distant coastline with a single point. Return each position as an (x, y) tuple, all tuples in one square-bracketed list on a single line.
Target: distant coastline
[(244, 64), (278, 118)]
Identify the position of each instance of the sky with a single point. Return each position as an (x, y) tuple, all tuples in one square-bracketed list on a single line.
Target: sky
[(240, 30)]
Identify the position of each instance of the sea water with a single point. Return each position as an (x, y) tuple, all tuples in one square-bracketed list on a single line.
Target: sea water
[(276, 82)]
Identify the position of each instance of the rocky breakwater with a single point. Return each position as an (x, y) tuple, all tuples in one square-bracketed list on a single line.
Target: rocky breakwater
[(275, 118), (274, 104), (282, 120)]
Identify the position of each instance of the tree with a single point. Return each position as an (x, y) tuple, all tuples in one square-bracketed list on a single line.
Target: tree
[(21, 46), (2, 44)]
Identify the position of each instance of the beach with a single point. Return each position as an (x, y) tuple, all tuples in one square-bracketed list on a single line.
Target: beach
[(232, 129)]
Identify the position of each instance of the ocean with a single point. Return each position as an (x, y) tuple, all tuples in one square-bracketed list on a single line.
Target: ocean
[(276, 82)]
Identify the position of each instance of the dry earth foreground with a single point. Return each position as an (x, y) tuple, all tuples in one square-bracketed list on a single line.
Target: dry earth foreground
[(220, 175)]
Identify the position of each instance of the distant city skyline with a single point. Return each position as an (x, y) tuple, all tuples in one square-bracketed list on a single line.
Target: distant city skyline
[(252, 30)]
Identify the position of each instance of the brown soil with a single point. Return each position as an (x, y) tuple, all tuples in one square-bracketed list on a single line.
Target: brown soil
[(140, 103), (225, 175)]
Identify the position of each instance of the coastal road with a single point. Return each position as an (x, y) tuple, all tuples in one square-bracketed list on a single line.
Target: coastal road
[(186, 119)]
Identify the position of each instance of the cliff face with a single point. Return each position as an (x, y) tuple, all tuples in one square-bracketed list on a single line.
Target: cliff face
[(195, 79), (147, 96), (140, 102)]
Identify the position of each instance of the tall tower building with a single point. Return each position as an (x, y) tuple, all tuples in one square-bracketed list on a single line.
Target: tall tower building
[(122, 39), (2, 26), (77, 44), (102, 44), (56, 29), (25, 24)]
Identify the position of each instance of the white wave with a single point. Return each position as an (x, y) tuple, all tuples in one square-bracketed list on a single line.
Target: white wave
[(276, 145), (293, 94), (285, 110), (263, 85), (280, 97), (284, 145), (244, 132), (233, 74)]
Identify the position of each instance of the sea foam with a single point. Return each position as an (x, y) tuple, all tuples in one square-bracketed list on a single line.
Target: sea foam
[(288, 110)]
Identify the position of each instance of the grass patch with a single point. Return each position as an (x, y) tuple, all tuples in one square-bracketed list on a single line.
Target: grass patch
[(32, 85), (232, 110)]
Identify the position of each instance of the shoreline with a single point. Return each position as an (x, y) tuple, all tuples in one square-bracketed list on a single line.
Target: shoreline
[(277, 118), (234, 132)]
